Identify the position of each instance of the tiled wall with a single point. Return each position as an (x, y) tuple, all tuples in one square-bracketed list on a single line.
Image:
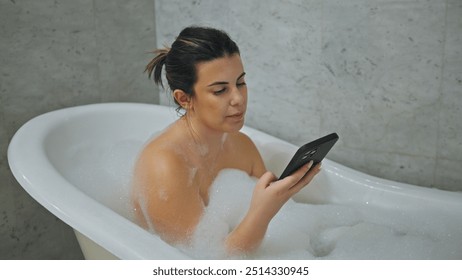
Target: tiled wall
[(56, 54), (385, 75)]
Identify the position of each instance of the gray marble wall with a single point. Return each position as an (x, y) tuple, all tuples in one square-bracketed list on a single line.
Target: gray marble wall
[(56, 54), (385, 75)]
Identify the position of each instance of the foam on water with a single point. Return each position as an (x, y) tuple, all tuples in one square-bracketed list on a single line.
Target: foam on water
[(326, 231), (298, 231), (104, 172)]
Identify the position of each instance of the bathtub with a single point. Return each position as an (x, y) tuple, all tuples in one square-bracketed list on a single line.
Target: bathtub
[(76, 163)]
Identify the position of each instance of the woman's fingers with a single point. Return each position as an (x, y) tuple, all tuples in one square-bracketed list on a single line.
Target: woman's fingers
[(295, 177), (267, 178), (306, 178), (290, 184), (270, 194)]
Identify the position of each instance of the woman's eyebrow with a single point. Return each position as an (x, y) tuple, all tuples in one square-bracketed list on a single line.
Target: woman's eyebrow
[(225, 83), (242, 75), (217, 83)]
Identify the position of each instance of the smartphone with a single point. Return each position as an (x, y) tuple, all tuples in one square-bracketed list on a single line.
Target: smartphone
[(315, 151)]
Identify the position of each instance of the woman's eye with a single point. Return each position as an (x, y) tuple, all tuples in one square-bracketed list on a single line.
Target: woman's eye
[(219, 91), (241, 84)]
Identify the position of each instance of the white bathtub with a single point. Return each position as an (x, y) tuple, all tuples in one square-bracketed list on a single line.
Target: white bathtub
[(56, 155)]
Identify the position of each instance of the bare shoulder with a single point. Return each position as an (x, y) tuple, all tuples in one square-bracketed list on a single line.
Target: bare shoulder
[(247, 150), (242, 140), (158, 162)]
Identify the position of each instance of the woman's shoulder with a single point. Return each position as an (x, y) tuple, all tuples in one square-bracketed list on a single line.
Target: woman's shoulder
[(241, 138), (161, 158), (244, 148), (243, 141), (161, 153)]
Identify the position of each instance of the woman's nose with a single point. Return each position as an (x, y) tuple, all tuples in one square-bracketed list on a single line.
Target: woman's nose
[(237, 97)]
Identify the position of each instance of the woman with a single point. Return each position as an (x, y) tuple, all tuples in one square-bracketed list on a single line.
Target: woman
[(176, 169)]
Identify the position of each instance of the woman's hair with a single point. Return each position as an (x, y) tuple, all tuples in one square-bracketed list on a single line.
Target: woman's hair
[(193, 45)]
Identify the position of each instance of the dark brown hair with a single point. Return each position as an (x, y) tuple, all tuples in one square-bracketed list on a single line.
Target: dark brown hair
[(193, 45)]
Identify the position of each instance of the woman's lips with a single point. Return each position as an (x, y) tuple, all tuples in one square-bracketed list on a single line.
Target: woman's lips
[(236, 115)]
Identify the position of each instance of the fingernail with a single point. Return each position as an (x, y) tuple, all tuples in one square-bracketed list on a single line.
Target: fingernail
[(310, 164)]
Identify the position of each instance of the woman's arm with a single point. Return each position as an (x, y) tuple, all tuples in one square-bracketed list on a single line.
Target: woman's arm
[(172, 207), (268, 198)]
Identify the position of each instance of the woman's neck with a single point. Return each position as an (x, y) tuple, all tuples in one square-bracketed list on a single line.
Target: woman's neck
[(207, 142)]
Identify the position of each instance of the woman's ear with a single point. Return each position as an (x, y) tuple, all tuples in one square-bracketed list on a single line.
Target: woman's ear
[(182, 98)]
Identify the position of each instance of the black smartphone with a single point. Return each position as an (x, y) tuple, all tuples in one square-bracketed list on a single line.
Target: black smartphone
[(315, 151)]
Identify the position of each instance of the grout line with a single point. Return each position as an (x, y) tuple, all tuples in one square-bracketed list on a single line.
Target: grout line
[(97, 51), (441, 93)]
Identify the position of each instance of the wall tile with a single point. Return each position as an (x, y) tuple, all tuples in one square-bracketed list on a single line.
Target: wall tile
[(374, 71), (449, 161), (450, 111), (384, 82), (7, 214), (4, 138), (416, 170), (125, 33), (46, 53)]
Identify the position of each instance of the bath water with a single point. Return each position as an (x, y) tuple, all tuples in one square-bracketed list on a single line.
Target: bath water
[(104, 172), (323, 231), (298, 231)]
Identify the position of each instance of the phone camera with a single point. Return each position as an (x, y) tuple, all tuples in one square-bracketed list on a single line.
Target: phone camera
[(309, 154)]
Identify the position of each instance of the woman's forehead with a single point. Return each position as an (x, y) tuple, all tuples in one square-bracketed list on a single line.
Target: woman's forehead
[(226, 69)]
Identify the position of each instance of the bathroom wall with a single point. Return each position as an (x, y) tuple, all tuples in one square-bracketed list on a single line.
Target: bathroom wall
[(385, 75), (56, 54)]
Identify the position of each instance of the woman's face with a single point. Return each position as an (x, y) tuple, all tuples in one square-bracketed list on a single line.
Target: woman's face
[(220, 99)]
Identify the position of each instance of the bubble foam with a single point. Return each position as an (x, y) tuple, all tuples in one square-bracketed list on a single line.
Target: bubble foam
[(322, 231), (298, 231)]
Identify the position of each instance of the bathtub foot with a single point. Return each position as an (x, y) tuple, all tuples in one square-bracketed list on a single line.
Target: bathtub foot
[(91, 250)]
